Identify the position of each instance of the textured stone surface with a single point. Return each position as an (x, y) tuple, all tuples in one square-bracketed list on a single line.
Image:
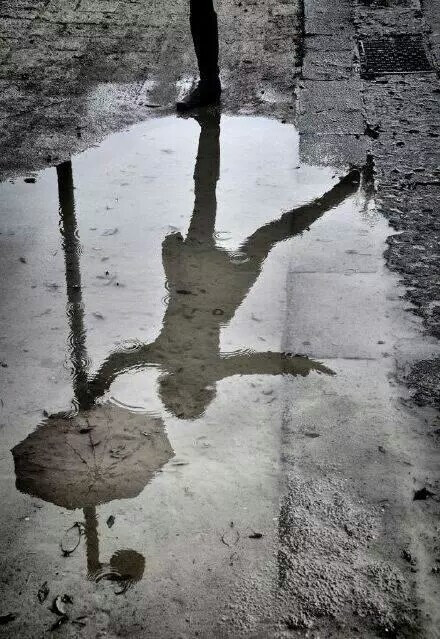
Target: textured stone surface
[(405, 112), (399, 148), (394, 120), (73, 71)]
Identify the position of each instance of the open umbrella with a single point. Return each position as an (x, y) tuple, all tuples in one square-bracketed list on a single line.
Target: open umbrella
[(100, 455)]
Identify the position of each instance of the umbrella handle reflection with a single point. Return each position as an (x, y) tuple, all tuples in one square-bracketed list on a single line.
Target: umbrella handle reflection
[(126, 566), (92, 541)]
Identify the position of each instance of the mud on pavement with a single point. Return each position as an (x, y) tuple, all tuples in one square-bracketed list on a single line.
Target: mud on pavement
[(204, 430)]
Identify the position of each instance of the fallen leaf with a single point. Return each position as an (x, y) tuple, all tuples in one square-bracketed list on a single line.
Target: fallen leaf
[(422, 494), (230, 538), (43, 592), (71, 539)]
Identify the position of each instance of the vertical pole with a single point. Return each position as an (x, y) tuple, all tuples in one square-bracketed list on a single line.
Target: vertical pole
[(75, 309)]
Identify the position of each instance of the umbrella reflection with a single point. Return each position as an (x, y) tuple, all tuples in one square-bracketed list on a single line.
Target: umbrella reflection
[(207, 284), (126, 566), (103, 452)]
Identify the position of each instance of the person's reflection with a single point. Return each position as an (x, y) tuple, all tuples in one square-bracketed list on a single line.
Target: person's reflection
[(206, 286)]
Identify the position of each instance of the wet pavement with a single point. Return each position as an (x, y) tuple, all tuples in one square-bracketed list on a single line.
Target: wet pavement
[(73, 72), (198, 343)]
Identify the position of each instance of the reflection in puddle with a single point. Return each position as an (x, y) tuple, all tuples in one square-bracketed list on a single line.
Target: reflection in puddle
[(100, 455), (206, 285), (105, 451), (75, 310)]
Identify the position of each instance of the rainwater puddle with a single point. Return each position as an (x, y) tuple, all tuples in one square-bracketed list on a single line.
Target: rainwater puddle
[(181, 283)]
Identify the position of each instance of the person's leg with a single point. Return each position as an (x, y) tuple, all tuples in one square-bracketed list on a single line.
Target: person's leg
[(204, 30)]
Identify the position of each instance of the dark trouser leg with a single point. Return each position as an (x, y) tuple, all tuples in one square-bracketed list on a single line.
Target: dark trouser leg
[(204, 30)]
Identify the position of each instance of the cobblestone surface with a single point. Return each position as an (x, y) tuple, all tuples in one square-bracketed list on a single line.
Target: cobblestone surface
[(73, 71)]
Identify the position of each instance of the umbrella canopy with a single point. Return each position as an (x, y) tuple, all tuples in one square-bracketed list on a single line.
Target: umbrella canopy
[(99, 455)]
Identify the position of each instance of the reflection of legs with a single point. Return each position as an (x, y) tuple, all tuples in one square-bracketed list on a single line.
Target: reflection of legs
[(258, 245), (204, 31), (206, 174)]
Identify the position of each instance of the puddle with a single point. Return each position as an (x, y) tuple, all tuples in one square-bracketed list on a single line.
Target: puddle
[(200, 277)]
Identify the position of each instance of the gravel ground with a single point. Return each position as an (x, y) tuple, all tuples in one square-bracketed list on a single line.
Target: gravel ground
[(390, 125)]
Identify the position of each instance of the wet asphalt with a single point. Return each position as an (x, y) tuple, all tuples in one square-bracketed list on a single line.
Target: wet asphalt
[(203, 423)]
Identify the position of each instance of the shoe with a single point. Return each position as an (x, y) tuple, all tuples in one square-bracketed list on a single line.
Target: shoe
[(205, 93)]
